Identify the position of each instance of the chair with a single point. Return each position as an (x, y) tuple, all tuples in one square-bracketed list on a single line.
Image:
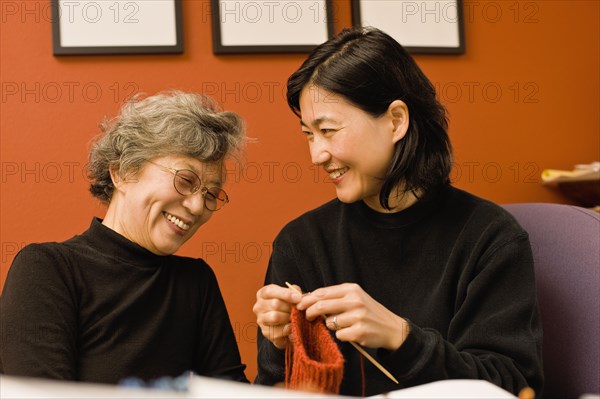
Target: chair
[(565, 241)]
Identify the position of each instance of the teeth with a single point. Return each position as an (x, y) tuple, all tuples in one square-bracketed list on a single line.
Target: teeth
[(177, 222), (337, 173)]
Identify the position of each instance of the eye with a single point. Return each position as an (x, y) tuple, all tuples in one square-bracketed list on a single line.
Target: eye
[(186, 179), (326, 131), (210, 195), (215, 193), (308, 134)]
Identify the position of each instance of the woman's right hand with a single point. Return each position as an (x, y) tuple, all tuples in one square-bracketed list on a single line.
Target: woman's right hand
[(272, 309)]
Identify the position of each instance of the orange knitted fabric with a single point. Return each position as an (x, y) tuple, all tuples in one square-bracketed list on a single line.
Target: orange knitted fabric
[(316, 363)]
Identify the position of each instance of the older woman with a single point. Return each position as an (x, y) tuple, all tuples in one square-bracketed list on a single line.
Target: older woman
[(115, 302)]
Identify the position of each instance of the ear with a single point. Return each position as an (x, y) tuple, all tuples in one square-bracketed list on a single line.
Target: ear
[(398, 112), (116, 178)]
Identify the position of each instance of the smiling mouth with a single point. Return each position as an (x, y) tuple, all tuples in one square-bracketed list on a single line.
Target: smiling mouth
[(337, 173), (176, 221)]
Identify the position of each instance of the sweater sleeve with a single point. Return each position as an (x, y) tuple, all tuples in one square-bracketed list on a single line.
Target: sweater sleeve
[(38, 316), (494, 335), (217, 354)]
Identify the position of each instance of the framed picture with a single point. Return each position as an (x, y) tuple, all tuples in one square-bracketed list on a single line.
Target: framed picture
[(283, 26), (432, 26), (116, 27)]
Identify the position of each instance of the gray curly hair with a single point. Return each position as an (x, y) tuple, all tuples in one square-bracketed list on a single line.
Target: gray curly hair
[(167, 123)]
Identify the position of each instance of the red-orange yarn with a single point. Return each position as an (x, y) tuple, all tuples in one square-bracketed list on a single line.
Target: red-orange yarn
[(313, 361)]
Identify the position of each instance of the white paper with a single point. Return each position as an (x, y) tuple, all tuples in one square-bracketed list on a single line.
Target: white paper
[(282, 22), (203, 387), (447, 389), (116, 23), (199, 387), (414, 23)]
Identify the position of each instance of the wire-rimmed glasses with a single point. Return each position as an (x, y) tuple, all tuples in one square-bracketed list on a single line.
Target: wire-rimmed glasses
[(187, 182)]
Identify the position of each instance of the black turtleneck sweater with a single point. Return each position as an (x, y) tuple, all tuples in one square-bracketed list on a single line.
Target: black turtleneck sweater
[(457, 267), (100, 308)]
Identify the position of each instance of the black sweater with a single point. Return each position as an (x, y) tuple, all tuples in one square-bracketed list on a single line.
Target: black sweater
[(100, 308), (457, 267)]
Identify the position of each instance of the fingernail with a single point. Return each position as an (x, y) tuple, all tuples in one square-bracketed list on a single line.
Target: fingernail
[(296, 297)]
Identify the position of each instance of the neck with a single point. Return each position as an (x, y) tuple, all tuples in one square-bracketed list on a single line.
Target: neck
[(109, 217), (397, 201), (112, 216)]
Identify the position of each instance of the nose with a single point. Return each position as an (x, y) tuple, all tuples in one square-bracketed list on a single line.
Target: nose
[(195, 203), (319, 150)]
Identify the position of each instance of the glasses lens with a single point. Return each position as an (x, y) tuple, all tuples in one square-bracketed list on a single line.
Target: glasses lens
[(186, 182), (215, 199)]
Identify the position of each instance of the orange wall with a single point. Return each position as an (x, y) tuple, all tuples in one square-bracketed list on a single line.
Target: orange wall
[(524, 97)]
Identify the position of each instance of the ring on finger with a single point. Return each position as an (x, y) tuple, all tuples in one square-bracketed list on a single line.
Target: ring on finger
[(334, 324)]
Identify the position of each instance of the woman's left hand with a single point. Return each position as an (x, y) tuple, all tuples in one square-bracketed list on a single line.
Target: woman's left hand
[(355, 316)]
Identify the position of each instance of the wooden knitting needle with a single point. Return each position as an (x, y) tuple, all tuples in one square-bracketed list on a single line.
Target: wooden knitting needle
[(358, 347)]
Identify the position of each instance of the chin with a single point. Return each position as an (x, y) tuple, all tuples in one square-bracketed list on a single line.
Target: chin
[(166, 251), (348, 199)]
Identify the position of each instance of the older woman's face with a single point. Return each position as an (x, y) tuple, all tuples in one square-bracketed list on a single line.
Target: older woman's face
[(150, 212)]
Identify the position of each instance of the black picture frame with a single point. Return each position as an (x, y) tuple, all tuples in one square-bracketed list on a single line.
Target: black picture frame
[(246, 39), (426, 27), (78, 26)]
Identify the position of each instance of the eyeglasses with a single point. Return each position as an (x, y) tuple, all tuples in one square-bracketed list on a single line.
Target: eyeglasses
[(186, 182)]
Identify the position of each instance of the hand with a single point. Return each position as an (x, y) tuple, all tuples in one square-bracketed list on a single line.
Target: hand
[(272, 309), (355, 316)]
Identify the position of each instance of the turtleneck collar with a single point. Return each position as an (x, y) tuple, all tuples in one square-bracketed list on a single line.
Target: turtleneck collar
[(114, 245), (408, 216)]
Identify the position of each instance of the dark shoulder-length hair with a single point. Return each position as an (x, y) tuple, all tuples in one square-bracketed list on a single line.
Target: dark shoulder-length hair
[(370, 69)]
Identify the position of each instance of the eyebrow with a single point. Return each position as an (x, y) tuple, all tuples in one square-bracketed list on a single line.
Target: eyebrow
[(318, 121), (189, 166), (210, 183)]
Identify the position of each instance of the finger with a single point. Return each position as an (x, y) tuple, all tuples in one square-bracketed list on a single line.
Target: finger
[(355, 332), (271, 304), (333, 323), (273, 291), (327, 307), (338, 290), (272, 311), (295, 288), (309, 299), (276, 332), (278, 335), (287, 331), (273, 318), (349, 334)]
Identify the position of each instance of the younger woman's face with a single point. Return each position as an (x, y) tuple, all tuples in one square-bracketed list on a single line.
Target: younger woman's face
[(353, 147)]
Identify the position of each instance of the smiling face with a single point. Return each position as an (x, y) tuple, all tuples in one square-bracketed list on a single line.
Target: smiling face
[(147, 209), (352, 146)]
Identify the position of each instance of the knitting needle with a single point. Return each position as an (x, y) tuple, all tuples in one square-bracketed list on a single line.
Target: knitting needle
[(358, 347)]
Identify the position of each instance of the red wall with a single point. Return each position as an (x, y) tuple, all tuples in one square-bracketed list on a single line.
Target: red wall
[(524, 97)]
